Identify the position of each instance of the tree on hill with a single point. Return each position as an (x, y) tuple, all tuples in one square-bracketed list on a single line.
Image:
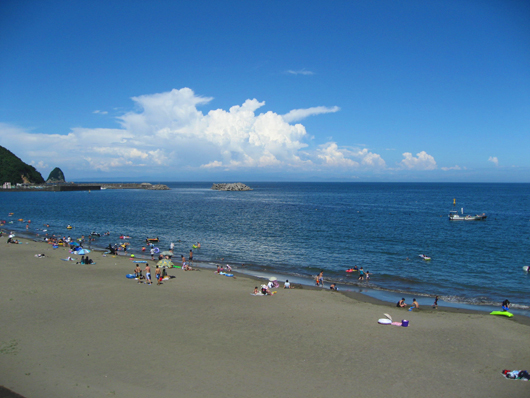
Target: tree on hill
[(15, 171), (56, 175)]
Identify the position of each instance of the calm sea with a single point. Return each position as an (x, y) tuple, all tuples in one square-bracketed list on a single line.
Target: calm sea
[(295, 230)]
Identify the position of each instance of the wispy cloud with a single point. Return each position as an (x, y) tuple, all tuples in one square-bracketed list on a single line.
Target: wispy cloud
[(299, 114), (300, 72), (100, 112), (456, 167), (494, 160)]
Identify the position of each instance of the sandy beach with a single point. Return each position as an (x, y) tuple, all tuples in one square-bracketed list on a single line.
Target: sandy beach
[(71, 330)]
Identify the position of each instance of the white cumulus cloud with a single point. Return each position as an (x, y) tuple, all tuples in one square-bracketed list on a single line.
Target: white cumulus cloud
[(168, 134), (422, 161), (494, 160), (332, 155)]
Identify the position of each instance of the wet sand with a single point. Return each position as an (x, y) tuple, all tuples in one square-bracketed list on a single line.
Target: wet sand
[(71, 330)]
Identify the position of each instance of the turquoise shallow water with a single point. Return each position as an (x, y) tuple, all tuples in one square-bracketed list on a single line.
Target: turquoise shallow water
[(298, 229)]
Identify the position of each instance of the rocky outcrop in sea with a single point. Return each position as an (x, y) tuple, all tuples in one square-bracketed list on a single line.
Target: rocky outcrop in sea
[(237, 186)]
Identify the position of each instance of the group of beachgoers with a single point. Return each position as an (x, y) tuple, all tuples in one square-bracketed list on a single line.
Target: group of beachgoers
[(160, 274), (401, 304), (363, 275)]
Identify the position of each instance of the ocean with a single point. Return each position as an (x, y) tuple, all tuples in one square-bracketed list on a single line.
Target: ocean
[(295, 230)]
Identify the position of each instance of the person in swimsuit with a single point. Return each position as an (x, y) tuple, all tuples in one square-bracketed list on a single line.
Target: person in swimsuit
[(138, 273), (415, 304), (401, 303), (148, 274), (321, 279), (361, 274), (158, 275), (506, 305)]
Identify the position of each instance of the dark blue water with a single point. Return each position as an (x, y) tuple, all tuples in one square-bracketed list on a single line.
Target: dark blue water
[(299, 229)]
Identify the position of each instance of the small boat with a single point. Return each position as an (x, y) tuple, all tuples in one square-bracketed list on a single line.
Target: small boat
[(424, 257), (69, 226), (153, 240), (454, 216)]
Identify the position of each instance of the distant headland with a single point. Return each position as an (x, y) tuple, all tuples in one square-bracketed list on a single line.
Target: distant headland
[(72, 186)]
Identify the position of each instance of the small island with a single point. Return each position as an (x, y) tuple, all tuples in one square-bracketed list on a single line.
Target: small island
[(237, 186)]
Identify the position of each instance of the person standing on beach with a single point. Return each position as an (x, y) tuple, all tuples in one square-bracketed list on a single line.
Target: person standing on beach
[(191, 257), (157, 275), (321, 278), (147, 274), (138, 273), (152, 253)]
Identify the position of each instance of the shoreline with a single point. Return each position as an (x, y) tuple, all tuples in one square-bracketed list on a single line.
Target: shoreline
[(368, 293), (72, 330)]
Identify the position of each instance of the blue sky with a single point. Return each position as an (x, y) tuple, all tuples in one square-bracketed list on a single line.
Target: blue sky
[(268, 90)]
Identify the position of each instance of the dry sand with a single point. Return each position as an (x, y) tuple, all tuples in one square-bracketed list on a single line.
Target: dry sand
[(72, 330)]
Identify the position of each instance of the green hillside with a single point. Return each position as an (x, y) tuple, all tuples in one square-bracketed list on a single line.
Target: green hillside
[(15, 171)]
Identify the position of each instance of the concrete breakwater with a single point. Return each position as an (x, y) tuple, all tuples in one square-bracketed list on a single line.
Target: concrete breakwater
[(238, 186)]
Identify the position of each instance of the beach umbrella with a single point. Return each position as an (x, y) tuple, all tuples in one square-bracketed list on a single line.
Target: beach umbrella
[(167, 253), (83, 251), (165, 263)]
